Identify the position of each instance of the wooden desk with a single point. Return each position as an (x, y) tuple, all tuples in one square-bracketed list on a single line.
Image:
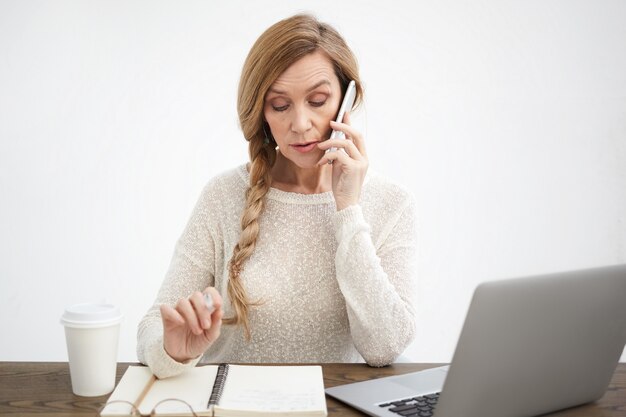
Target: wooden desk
[(44, 388)]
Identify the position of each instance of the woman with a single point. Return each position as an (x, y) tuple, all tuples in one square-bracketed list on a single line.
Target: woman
[(305, 258)]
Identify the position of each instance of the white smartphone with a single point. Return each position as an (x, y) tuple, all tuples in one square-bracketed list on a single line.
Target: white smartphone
[(346, 105)]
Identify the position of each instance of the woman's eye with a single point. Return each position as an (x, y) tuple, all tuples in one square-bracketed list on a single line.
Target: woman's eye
[(317, 103), (280, 108)]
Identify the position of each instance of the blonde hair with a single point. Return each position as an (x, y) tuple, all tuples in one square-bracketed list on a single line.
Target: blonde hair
[(274, 51)]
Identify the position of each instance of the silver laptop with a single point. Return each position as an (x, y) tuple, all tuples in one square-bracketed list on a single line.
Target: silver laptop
[(529, 346)]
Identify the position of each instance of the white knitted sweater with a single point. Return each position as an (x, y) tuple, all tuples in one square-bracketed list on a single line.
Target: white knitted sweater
[(336, 286)]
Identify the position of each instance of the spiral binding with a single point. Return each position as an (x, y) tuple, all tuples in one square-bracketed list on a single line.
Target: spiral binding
[(218, 385)]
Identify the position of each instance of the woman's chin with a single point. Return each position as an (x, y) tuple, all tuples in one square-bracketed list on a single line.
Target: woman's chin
[(305, 161)]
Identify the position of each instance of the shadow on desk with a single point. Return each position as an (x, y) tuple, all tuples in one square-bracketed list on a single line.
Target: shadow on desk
[(44, 388)]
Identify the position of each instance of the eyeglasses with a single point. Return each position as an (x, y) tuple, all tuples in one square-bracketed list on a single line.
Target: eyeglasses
[(134, 411)]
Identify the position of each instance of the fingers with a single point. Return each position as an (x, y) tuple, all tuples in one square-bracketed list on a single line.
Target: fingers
[(170, 317), (187, 311), (195, 312), (201, 309), (214, 332), (350, 132), (205, 304), (346, 145), (342, 157)]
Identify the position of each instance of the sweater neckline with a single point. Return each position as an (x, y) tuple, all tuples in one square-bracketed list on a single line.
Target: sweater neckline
[(287, 196)]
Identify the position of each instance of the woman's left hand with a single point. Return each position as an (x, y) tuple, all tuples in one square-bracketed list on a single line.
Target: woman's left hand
[(349, 167)]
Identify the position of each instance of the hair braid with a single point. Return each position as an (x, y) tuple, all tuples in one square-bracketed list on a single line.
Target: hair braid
[(263, 158)]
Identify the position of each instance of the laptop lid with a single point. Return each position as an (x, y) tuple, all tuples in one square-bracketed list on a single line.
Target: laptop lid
[(537, 344)]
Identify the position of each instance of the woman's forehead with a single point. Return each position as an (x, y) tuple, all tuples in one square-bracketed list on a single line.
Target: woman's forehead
[(311, 70)]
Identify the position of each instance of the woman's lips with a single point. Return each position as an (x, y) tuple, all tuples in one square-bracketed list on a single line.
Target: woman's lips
[(304, 148)]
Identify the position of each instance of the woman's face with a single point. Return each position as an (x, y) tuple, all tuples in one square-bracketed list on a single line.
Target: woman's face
[(299, 107)]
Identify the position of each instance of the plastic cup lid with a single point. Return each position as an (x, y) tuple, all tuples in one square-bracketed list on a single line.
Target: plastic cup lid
[(91, 315)]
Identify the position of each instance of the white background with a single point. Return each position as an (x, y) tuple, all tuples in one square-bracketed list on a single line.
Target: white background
[(506, 119)]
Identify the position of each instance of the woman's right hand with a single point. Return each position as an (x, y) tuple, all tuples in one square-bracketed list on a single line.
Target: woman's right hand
[(190, 328)]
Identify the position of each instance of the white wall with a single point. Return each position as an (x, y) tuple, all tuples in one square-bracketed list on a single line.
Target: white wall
[(506, 119)]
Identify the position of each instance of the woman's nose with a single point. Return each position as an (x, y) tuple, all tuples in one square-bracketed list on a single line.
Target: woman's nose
[(301, 121)]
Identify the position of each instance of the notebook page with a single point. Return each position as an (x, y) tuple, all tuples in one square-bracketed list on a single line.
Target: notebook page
[(193, 386), (129, 388), (274, 389)]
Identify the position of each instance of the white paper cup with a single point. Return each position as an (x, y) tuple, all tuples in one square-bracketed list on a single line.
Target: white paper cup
[(92, 333)]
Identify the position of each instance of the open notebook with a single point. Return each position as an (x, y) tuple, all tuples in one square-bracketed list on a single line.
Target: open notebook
[(223, 391)]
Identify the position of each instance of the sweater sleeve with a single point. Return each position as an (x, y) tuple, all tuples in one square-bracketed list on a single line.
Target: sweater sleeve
[(378, 282), (191, 269)]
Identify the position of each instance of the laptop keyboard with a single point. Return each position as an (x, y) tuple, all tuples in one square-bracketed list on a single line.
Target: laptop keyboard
[(423, 406)]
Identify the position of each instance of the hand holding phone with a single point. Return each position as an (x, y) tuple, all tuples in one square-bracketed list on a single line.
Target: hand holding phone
[(346, 105), (348, 178)]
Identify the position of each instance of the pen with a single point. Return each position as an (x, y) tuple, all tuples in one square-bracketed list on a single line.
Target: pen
[(208, 300)]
